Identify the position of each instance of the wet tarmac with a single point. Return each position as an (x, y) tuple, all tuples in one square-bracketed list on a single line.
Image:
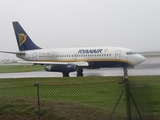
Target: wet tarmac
[(150, 67)]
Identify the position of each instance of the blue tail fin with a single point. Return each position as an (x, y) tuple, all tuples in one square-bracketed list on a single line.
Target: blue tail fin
[(23, 40)]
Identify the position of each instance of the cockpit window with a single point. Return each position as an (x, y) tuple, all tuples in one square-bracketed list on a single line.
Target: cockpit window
[(131, 53)]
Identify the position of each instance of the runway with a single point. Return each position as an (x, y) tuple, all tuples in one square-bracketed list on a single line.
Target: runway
[(150, 67)]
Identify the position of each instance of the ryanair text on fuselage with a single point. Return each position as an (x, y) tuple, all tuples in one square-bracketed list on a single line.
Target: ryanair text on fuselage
[(84, 51)]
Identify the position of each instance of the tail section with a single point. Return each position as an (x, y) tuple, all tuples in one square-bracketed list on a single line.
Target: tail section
[(23, 40)]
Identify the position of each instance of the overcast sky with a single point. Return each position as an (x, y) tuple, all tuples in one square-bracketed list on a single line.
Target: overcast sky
[(132, 24)]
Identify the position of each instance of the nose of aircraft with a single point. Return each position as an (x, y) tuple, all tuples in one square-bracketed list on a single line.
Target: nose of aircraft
[(140, 59)]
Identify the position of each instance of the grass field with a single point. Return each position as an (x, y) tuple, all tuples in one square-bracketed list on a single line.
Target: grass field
[(8, 68), (78, 98)]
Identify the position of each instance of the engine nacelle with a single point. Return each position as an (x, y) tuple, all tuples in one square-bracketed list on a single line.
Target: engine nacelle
[(61, 68)]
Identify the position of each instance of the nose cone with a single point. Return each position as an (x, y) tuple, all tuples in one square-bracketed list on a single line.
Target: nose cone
[(140, 59)]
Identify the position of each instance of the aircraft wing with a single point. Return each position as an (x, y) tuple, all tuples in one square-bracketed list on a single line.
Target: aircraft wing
[(54, 63), (79, 63)]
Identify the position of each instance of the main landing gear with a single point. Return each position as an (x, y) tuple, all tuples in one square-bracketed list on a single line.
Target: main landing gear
[(65, 74), (80, 72)]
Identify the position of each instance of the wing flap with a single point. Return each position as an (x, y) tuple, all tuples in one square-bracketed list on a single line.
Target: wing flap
[(79, 63)]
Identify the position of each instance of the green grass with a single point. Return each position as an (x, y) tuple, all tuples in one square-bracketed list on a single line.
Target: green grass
[(71, 98), (19, 68)]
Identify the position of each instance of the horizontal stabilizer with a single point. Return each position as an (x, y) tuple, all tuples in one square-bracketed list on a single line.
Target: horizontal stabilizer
[(18, 53)]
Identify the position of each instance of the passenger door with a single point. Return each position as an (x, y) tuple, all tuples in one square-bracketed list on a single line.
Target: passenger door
[(118, 55)]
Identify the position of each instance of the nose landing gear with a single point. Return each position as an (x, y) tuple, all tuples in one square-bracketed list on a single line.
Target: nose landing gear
[(125, 70), (125, 76)]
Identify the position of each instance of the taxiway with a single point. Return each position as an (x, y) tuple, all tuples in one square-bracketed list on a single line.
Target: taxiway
[(150, 67)]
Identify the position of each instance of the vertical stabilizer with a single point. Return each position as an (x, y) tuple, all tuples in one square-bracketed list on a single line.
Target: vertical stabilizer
[(23, 40)]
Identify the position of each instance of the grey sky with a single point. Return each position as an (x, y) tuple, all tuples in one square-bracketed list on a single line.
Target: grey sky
[(132, 24)]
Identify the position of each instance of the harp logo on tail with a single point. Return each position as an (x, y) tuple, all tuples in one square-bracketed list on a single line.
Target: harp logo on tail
[(22, 38)]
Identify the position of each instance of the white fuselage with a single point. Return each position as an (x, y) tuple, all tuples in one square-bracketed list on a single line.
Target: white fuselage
[(91, 54)]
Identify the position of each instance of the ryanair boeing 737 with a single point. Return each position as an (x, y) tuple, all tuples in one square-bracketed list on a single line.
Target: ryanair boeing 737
[(66, 60)]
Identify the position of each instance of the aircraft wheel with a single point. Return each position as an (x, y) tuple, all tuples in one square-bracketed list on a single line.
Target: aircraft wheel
[(125, 72), (80, 72), (65, 74)]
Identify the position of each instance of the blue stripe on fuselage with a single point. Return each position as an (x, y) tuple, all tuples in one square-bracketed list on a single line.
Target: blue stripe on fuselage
[(108, 64)]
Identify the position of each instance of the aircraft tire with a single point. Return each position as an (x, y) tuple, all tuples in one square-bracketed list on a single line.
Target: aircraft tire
[(65, 74), (80, 72)]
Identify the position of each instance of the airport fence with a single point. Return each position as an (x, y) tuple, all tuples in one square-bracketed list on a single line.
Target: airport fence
[(105, 100)]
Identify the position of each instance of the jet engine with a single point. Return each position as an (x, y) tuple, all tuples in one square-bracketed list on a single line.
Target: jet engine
[(61, 68)]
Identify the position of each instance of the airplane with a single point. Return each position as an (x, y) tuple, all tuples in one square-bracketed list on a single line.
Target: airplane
[(66, 60)]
